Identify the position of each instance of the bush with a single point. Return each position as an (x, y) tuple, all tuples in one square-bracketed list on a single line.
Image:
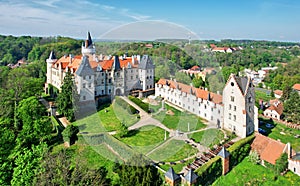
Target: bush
[(140, 103), (131, 109)]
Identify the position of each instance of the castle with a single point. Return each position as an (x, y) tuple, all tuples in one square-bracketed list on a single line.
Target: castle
[(98, 76), (234, 110)]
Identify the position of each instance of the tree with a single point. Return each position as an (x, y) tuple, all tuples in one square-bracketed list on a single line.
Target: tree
[(123, 130), (198, 82), (27, 164), (70, 133), (66, 100), (33, 125), (183, 78), (281, 163), (59, 169), (292, 108)]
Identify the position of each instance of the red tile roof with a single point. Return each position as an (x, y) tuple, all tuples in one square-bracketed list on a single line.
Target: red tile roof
[(276, 105), (296, 87), (195, 68), (278, 92), (268, 149), (198, 92), (75, 61)]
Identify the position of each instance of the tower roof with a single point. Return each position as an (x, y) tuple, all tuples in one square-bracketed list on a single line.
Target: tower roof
[(172, 175), (190, 176), (146, 63), (116, 64), (52, 55), (84, 68), (223, 153), (89, 40)]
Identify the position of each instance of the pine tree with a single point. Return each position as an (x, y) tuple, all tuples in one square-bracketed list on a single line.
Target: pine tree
[(66, 100)]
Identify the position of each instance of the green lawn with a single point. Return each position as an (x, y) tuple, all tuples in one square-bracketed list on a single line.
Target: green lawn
[(208, 137), (173, 150), (288, 134), (246, 173), (262, 95), (180, 120), (145, 138), (108, 118)]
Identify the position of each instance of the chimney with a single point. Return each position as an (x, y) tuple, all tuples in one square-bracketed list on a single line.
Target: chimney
[(218, 92)]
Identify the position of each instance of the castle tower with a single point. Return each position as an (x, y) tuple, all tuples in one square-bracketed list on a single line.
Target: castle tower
[(146, 72), (239, 106), (191, 178), (225, 159), (88, 48), (85, 81), (50, 61), (171, 177)]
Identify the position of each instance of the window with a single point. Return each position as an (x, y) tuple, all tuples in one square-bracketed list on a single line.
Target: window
[(90, 77), (83, 97), (229, 116), (234, 117), (83, 77), (249, 108), (205, 115), (131, 77), (234, 108), (90, 85), (219, 111), (294, 169), (232, 98), (83, 85), (250, 99), (109, 81), (232, 84), (205, 106), (212, 109), (109, 91), (102, 73), (229, 106), (102, 91), (211, 118)]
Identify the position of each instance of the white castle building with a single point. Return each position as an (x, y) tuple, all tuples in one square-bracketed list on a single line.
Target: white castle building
[(99, 76), (234, 111)]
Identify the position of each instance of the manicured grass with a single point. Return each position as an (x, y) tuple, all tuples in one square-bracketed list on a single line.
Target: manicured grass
[(288, 134), (108, 118), (179, 120), (208, 137), (145, 138), (247, 173), (173, 150)]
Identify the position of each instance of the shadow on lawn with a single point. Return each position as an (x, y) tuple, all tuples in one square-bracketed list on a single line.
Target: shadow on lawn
[(132, 133)]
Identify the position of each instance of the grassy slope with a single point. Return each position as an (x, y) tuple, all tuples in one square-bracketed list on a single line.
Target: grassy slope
[(208, 137), (246, 173)]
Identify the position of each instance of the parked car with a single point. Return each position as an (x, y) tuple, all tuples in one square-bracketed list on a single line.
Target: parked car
[(269, 126), (262, 131)]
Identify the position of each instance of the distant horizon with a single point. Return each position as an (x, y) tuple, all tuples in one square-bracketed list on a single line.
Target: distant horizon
[(270, 20), (124, 40)]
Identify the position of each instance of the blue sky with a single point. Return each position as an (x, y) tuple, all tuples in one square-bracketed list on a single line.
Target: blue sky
[(236, 19)]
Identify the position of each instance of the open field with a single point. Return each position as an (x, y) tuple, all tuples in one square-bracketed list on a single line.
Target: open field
[(247, 173)]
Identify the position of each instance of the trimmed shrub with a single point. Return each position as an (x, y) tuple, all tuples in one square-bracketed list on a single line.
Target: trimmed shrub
[(140, 103), (239, 150)]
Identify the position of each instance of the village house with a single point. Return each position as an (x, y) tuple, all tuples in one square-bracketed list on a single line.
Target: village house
[(296, 87), (98, 76), (270, 150), (275, 110), (278, 93), (234, 111)]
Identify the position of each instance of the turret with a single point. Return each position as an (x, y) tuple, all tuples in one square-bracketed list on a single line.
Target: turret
[(50, 61), (88, 48)]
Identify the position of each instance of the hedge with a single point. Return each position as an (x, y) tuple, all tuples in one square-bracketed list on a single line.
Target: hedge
[(210, 171), (140, 103), (239, 150), (130, 109)]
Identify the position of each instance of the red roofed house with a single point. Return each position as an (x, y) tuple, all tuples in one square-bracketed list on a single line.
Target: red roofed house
[(278, 93), (98, 76), (275, 109), (296, 87), (238, 99), (270, 150)]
